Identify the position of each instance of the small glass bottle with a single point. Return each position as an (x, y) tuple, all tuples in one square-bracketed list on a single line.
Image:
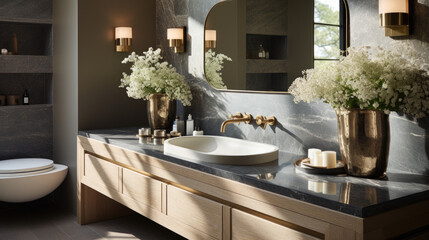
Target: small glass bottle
[(25, 98), (261, 52)]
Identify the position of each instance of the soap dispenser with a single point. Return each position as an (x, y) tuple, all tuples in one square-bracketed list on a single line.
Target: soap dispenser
[(189, 125), (175, 123)]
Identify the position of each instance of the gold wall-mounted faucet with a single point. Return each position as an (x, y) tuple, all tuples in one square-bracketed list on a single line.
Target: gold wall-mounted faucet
[(263, 121), (237, 118)]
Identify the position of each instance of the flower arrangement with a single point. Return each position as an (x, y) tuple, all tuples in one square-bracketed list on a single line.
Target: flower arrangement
[(150, 76), (213, 65), (394, 79)]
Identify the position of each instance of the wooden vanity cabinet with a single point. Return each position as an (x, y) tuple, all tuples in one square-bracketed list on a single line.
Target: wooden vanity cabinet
[(247, 226), (198, 205), (196, 211)]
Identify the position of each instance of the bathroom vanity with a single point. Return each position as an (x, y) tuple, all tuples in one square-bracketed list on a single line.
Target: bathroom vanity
[(267, 201)]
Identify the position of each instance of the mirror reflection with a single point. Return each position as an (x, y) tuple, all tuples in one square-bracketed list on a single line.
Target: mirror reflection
[(264, 45)]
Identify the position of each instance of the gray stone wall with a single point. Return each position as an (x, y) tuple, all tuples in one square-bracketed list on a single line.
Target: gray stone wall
[(300, 126)]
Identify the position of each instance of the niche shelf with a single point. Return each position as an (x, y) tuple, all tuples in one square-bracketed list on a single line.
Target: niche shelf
[(32, 38), (25, 20), (274, 44), (266, 66), (4, 109), (25, 64), (26, 129)]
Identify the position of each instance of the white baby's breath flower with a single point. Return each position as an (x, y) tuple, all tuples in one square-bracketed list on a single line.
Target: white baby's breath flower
[(213, 66), (395, 79), (149, 76)]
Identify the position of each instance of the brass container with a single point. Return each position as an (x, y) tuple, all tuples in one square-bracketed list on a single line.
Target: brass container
[(364, 138), (161, 111)]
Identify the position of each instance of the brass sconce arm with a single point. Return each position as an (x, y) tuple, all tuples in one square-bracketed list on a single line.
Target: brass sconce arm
[(263, 121), (237, 118)]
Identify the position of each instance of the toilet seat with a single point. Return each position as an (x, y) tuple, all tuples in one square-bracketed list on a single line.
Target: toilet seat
[(19, 174), (25, 166)]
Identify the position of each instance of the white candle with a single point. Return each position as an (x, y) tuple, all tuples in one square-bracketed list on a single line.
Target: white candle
[(317, 159), (141, 131), (311, 153), (329, 159)]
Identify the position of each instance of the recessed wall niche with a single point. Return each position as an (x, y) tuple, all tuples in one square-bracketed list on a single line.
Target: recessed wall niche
[(26, 32)]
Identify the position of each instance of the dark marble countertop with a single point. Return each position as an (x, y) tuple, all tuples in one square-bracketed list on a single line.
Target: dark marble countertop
[(355, 196)]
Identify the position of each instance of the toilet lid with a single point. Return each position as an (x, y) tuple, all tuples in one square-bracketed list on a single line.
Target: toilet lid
[(25, 165)]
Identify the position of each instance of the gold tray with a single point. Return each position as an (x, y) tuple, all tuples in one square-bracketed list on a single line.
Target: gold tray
[(304, 165)]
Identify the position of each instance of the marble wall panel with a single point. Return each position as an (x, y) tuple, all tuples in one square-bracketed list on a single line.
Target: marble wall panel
[(300, 126), (26, 131), (30, 9)]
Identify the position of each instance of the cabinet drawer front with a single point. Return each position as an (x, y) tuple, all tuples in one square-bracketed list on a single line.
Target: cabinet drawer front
[(101, 172), (198, 212), (247, 226), (141, 188)]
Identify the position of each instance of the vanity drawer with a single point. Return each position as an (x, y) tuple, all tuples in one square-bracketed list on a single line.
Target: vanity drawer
[(141, 188), (198, 212), (101, 172), (247, 226)]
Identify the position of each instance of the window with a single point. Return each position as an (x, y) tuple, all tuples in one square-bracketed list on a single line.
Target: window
[(329, 30)]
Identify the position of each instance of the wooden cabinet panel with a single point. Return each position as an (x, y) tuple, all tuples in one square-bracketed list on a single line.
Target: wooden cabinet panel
[(141, 188), (202, 214), (245, 226), (101, 172)]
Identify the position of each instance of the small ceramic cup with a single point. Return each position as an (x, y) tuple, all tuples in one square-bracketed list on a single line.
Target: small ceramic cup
[(13, 100), (2, 100)]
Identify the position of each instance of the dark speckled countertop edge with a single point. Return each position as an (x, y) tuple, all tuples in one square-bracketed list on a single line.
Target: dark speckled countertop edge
[(265, 185)]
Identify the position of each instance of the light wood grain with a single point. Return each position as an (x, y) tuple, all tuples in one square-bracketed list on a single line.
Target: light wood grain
[(226, 223), (184, 189), (143, 189), (339, 233), (201, 213), (171, 223), (101, 172), (96, 207), (249, 227), (287, 209)]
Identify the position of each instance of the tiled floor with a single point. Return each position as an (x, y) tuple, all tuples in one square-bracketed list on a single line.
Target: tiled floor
[(47, 222)]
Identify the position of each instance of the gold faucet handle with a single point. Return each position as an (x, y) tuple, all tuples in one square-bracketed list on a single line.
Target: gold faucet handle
[(248, 118), (261, 121), (237, 115), (272, 120)]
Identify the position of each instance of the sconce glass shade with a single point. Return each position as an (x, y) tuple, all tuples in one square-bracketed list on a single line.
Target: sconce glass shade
[(393, 6), (211, 35), (123, 37), (176, 39), (175, 33), (394, 17), (210, 39)]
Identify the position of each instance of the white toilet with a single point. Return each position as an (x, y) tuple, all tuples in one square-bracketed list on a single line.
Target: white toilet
[(27, 179)]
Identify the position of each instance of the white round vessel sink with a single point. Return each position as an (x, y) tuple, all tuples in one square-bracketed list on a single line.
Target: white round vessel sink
[(220, 150)]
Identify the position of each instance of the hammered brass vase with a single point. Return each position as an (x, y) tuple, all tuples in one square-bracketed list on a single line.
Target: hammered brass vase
[(364, 138), (161, 111)]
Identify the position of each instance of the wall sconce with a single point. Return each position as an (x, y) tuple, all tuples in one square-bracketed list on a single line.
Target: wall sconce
[(394, 17), (123, 37), (210, 41), (176, 39)]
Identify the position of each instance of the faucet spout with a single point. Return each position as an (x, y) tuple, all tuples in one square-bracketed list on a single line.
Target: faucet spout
[(247, 118)]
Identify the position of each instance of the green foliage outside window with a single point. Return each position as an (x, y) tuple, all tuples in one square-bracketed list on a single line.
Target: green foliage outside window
[(326, 30)]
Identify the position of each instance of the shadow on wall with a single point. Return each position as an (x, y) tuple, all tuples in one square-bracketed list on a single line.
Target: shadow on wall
[(300, 126)]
